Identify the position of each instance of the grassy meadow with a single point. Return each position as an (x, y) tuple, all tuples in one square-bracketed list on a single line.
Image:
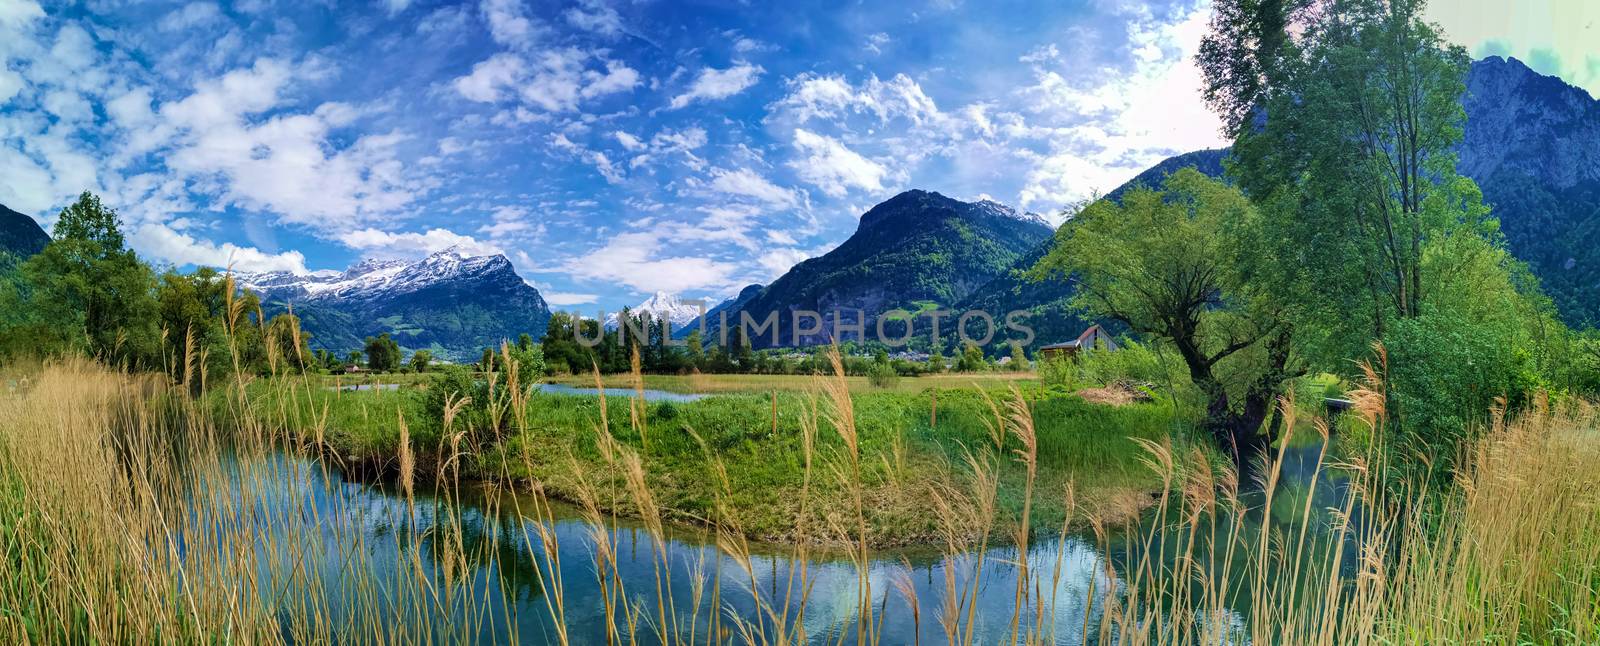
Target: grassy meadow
[(739, 383), (754, 436)]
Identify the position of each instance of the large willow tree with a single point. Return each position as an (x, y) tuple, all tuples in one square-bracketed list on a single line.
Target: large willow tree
[(1180, 264)]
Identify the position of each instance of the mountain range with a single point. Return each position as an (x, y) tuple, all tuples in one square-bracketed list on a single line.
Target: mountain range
[(451, 303)]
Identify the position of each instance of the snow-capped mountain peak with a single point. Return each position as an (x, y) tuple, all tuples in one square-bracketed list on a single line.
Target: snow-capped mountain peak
[(1004, 211), (662, 305), (371, 277)]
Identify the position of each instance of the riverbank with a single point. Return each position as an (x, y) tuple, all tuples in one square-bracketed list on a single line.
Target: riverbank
[(770, 463)]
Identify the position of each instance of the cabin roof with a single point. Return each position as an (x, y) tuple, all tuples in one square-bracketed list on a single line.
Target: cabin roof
[(1083, 339)]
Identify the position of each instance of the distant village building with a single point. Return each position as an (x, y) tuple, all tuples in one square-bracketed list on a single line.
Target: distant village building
[(1095, 337), (911, 356)]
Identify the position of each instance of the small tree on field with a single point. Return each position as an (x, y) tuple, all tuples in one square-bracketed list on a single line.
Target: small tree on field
[(420, 361), (383, 353)]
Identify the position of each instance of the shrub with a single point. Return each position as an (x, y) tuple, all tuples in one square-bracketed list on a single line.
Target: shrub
[(883, 376)]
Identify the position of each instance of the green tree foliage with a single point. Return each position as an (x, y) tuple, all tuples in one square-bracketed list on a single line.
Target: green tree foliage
[(383, 353), (210, 329), (1173, 265), (87, 291), (1345, 120), (420, 360), (972, 359)]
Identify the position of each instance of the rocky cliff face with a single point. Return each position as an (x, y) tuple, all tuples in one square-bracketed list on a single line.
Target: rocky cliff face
[(452, 303), (1532, 143)]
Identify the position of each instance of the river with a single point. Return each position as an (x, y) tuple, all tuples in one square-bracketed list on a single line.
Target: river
[(368, 528)]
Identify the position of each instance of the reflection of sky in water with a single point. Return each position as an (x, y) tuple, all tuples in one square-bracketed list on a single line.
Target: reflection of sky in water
[(326, 527)]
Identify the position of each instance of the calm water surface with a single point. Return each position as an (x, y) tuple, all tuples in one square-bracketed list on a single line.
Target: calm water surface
[(1075, 575)]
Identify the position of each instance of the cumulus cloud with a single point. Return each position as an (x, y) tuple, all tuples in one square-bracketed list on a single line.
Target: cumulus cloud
[(19, 13), (777, 262), (830, 166), (193, 14), (555, 80), (508, 24), (387, 244), (595, 16), (638, 261), (161, 241), (812, 96), (1099, 133), (713, 84)]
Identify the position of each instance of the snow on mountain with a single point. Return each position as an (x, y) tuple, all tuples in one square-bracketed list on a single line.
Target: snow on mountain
[(452, 303), (371, 278), (1000, 210), (666, 306)]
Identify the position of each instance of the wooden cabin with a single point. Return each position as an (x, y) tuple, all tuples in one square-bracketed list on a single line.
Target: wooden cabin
[(1095, 337)]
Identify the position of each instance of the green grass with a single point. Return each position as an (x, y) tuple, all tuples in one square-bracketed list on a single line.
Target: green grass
[(718, 384), (903, 453)]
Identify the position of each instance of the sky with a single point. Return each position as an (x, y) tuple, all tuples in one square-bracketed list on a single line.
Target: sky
[(609, 149)]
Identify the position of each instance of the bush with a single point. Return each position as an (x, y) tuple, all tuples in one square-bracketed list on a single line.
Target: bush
[(1134, 362), (883, 376), (666, 411)]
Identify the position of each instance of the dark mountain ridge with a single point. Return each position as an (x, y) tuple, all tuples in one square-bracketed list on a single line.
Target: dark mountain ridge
[(20, 235), (915, 251)]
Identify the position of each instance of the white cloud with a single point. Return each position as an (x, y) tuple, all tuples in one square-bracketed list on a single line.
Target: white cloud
[(628, 141), (595, 16), (489, 76), (25, 185), (568, 299), (713, 84), (191, 15), (161, 241), (387, 244), (508, 25), (617, 78), (777, 262), (289, 163), (637, 260), (875, 42), (394, 7), (748, 183), (811, 96), (832, 167), (601, 162), (17, 14), (1101, 133), (555, 80)]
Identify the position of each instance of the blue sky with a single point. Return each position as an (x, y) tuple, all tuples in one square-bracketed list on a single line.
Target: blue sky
[(610, 149)]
